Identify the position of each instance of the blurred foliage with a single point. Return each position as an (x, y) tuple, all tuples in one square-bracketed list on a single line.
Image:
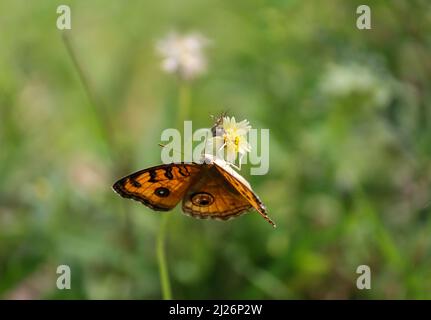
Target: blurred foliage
[(349, 114)]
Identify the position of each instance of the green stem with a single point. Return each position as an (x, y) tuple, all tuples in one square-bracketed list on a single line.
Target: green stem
[(104, 122), (183, 103), (183, 113), (161, 256), (98, 108)]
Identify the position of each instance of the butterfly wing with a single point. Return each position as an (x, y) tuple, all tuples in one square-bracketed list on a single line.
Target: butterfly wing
[(160, 187), (236, 181), (211, 196)]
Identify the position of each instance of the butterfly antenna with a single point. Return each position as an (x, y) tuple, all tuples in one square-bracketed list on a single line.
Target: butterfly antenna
[(164, 146), (221, 115)]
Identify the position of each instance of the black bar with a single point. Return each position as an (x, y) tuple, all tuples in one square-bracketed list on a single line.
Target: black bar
[(216, 309)]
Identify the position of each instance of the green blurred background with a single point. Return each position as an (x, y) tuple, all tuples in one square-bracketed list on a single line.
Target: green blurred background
[(349, 113)]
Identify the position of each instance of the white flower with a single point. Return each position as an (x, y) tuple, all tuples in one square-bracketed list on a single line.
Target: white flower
[(230, 140), (183, 54)]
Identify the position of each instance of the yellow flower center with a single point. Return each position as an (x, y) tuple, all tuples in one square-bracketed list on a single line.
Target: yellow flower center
[(236, 143), (230, 138)]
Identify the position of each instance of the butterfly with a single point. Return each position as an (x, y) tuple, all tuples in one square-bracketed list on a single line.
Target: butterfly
[(211, 189)]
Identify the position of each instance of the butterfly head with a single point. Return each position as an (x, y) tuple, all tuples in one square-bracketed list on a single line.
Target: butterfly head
[(217, 128)]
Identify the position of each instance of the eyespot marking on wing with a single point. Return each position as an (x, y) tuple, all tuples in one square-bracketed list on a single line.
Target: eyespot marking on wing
[(202, 199), (162, 192)]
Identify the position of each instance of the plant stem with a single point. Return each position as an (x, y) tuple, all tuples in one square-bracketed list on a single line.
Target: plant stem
[(182, 114), (104, 123), (96, 104), (183, 103), (161, 256)]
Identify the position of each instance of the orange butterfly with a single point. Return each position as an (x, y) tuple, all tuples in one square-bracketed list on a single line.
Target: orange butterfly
[(211, 189)]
